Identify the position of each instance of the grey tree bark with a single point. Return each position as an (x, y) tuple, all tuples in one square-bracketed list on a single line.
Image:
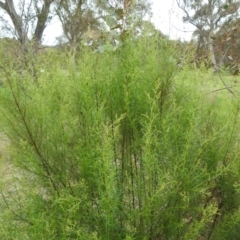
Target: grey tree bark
[(20, 27), (207, 16)]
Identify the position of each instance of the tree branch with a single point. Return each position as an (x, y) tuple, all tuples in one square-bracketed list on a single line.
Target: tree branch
[(3, 5), (42, 19)]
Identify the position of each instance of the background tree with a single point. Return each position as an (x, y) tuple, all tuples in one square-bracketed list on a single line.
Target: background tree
[(76, 17), (27, 22), (207, 17), (226, 42), (122, 16), (103, 24), (31, 17)]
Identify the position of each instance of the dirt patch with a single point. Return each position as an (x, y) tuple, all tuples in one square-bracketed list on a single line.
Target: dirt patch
[(4, 146)]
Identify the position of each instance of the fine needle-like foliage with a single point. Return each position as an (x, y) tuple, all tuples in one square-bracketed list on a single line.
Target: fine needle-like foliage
[(119, 146)]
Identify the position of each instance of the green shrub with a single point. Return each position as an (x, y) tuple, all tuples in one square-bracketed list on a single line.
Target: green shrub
[(116, 148)]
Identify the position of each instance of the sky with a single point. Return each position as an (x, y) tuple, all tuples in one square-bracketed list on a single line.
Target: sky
[(167, 17)]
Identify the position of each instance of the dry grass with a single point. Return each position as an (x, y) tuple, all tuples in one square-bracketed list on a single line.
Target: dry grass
[(5, 166), (9, 174), (4, 146)]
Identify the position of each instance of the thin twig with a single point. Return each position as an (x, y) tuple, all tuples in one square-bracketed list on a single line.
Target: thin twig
[(217, 90), (14, 213), (225, 84)]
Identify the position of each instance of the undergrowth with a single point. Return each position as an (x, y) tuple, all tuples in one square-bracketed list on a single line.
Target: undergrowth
[(118, 146)]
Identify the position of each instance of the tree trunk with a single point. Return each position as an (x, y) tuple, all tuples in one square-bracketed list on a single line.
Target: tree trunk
[(41, 21), (19, 26), (208, 41), (29, 47), (17, 22)]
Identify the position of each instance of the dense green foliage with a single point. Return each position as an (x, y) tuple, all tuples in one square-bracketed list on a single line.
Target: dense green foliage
[(118, 146)]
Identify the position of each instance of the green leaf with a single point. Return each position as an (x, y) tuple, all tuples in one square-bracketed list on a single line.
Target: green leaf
[(226, 6), (116, 27), (119, 12)]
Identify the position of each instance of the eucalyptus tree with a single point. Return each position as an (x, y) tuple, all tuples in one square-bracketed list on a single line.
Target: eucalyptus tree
[(102, 23), (27, 19), (76, 17), (227, 42), (208, 16), (123, 16)]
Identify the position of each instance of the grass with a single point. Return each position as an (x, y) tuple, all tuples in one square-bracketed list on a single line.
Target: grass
[(121, 146)]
